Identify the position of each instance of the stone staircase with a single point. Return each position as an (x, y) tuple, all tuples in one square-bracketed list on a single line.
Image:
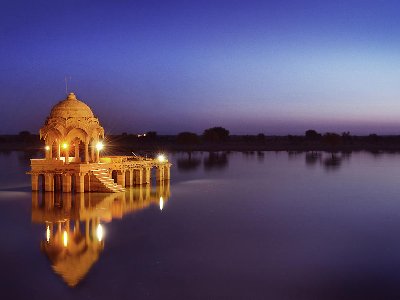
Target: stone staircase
[(101, 182)]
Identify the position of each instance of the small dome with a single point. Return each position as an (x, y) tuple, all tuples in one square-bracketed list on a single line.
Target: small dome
[(71, 108)]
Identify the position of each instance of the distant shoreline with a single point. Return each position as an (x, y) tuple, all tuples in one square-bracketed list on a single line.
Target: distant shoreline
[(123, 144)]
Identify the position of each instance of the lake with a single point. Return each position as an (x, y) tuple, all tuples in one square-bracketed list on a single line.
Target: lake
[(230, 225)]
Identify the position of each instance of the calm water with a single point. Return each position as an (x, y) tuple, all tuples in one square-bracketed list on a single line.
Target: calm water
[(230, 226)]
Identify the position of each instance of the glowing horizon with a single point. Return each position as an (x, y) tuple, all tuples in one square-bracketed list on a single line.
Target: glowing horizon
[(249, 66)]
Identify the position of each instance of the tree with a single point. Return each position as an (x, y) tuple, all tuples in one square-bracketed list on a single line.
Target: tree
[(311, 134), (332, 139), (261, 137), (187, 138), (216, 134)]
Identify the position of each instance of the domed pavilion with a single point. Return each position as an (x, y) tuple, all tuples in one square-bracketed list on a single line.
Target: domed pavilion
[(73, 140), (71, 123)]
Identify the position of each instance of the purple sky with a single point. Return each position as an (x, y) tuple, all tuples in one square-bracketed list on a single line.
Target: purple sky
[(277, 67)]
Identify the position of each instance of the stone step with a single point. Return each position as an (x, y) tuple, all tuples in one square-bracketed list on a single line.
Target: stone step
[(106, 182)]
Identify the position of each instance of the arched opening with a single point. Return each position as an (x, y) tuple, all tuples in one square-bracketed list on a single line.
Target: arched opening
[(76, 139)]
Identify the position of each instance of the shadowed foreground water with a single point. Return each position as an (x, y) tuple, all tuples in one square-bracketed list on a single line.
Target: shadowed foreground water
[(250, 225)]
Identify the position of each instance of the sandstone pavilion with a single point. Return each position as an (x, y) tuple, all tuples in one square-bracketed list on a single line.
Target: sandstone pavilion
[(73, 159)]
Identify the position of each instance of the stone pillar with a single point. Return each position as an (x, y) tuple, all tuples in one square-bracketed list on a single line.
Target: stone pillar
[(80, 183), (87, 182), (58, 151), (147, 175), (129, 178), (138, 178), (49, 182), (77, 159), (97, 156), (121, 178), (92, 153), (86, 152), (35, 182), (67, 156), (160, 173), (66, 183), (57, 182)]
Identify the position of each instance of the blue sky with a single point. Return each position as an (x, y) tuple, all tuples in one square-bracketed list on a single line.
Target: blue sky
[(278, 67)]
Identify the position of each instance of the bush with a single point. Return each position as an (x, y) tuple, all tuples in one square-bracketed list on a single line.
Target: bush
[(216, 134)]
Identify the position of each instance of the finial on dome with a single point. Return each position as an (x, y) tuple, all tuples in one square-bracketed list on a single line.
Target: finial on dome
[(71, 96)]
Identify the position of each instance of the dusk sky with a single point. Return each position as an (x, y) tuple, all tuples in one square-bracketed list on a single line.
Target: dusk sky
[(277, 67)]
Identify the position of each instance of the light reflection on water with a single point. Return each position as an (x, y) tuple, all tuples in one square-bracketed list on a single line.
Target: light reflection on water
[(252, 225), (74, 224)]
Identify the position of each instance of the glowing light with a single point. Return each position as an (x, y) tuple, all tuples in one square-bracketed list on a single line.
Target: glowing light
[(161, 158), (99, 232), (48, 233), (65, 238), (99, 146), (65, 145), (161, 203), (47, 147)]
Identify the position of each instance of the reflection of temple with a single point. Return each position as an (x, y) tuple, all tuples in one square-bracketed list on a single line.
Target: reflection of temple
[(74, 224), (73, 144)]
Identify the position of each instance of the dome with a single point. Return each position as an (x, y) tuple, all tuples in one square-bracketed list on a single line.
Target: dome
[(71, 108)]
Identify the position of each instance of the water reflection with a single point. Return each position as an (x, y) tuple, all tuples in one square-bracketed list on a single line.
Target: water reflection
[(216, 160), (312, 158), (74, 224), (260, 155), (188, 164), (330, 161)]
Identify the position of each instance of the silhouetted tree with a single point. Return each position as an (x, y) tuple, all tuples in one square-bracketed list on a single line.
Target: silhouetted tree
[(187, 138), (24, 133), (332, 139), (216, 134), (261, 137), (373, 138), (24, 136), (311, 134), (346, 136)]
